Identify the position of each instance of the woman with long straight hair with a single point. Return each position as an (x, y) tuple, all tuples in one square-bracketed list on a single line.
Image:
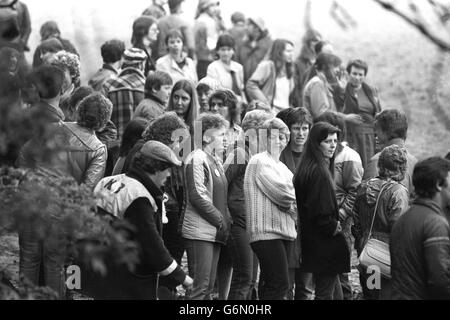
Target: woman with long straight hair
[(184, 102), (324, 250), (273, 80), (145, 34), (132, 134)]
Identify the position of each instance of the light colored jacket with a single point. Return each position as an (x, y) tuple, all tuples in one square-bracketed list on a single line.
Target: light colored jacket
[(270, 199), (347, 177), (206, 217), (318, 96), (115, 194), (169, 65), (262, 84), (222, 73)]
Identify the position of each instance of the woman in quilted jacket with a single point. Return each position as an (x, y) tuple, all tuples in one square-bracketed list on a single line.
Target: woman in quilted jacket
[(206, 222)]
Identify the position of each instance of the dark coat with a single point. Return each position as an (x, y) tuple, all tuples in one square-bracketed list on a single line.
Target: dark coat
[(322, 252), (420, 253), (249, 55)]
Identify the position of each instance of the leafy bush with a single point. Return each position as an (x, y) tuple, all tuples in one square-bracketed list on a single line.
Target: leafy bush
[(63, 212)]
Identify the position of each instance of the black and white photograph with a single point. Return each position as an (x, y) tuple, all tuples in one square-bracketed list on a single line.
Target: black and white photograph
[(234, 152)]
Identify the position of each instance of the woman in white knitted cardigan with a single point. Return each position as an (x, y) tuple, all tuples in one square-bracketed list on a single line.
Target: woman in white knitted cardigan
[(271, 209)]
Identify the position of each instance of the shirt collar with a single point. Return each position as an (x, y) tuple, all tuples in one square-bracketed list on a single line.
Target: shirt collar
[(110, 68), (433, 205)]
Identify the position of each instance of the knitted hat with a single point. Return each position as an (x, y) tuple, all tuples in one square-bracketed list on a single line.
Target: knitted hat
[(237, 17), (94, 111), (134, 55), (259, 22), (158, 151), (225, 40)]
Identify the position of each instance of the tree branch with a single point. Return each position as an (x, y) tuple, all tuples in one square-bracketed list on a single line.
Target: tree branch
[(443, 45)]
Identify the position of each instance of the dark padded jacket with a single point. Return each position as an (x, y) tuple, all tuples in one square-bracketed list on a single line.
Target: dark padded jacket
[(420, 253)]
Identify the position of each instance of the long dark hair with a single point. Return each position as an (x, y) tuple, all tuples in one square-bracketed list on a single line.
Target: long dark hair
[(132, 134), (194, 107), (140, 29), (276, 55), (312, 159)]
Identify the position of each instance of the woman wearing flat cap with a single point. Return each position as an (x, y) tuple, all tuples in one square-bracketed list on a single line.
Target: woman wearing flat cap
[(137, 198)]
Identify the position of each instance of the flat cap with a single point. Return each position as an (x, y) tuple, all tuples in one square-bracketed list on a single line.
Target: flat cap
[(158, 151)]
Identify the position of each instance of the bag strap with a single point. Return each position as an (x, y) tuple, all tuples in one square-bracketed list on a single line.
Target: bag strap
[(376, 208)]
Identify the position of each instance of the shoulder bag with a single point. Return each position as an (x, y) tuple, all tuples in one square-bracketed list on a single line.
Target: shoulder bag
[(376, 252)]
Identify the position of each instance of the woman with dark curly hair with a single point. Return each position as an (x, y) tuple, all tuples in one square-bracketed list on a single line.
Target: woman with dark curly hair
[(393, 202), (86, 155)]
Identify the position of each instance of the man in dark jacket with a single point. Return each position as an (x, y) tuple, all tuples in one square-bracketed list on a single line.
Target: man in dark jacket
[(164, 129), (50, 82), (111, 52), (254, 47), (137, 198), (391, 127), (420, 239)]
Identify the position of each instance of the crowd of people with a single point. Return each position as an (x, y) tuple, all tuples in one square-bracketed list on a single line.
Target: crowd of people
[(246, 173)]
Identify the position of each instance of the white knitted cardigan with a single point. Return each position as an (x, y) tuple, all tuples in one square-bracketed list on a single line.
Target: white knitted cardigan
[(270, 199)]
